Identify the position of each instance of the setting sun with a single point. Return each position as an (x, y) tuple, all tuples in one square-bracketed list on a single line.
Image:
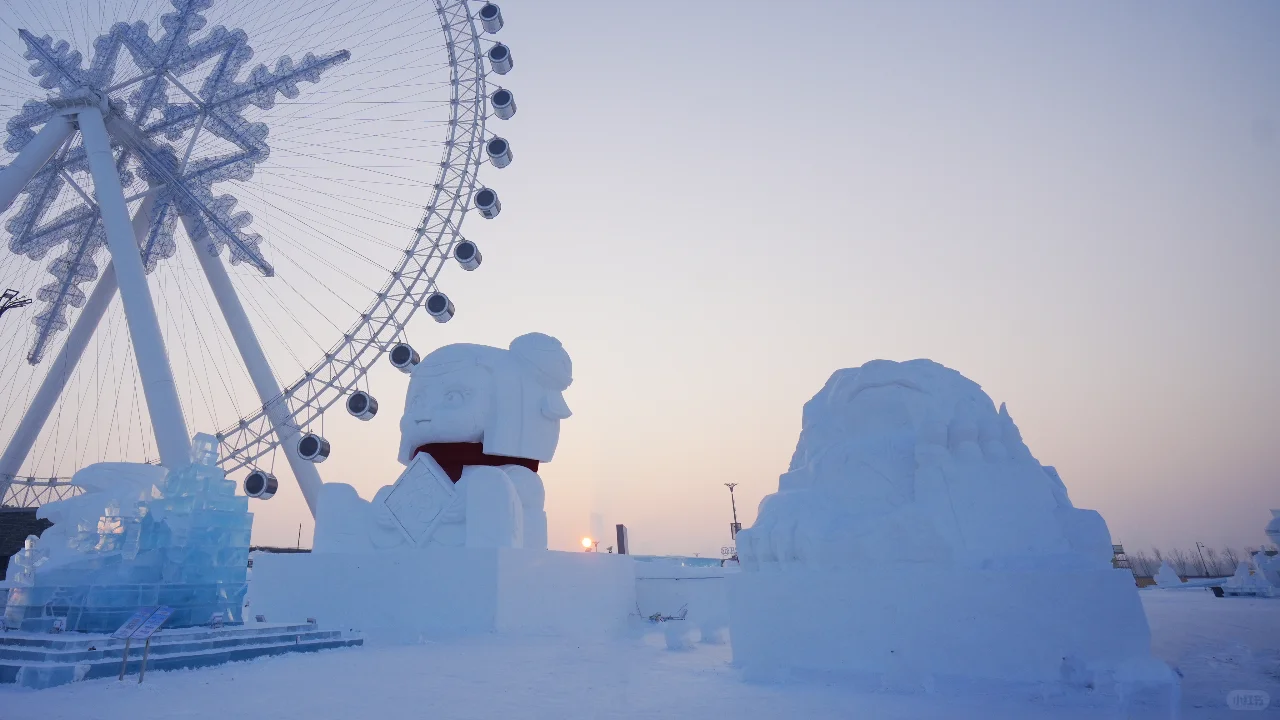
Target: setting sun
[(586, 542)]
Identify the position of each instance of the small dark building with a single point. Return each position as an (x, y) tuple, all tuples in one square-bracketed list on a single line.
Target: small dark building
[(15, 525)]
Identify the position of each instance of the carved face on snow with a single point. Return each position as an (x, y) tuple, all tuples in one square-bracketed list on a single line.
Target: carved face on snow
[(452, 406)]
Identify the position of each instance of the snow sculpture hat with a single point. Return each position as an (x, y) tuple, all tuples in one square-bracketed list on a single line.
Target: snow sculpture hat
[(529, 399), (528, 382)]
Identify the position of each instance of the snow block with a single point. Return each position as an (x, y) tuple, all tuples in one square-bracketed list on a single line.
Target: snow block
[(403, 596), (1027, 627), (679, 634), (668, 589)]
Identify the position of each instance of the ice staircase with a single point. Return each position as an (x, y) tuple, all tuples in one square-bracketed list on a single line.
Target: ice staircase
[(40, 660)]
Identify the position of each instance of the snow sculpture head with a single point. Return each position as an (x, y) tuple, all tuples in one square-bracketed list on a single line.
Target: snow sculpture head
[(912, 462), (510, 400)]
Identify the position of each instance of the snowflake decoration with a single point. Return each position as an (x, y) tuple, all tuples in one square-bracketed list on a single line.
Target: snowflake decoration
[(164, 118)]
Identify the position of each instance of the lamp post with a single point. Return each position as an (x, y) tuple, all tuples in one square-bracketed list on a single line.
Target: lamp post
[(733, 529), (1203, 566)]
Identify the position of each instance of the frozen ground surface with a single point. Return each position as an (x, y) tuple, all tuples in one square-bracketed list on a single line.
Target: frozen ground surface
[(1218, 644)]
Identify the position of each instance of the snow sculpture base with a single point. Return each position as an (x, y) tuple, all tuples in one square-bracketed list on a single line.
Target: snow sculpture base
[(103, 608), (901, 625), (399, 596), (36, 660)]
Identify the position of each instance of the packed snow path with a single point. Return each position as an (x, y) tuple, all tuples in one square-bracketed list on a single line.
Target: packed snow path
[(1218, 644)]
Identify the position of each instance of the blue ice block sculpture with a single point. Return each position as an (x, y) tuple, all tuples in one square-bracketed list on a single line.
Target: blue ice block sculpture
[(185, 545)]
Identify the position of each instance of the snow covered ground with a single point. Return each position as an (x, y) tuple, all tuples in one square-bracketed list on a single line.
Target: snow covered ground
[(1218, 644)]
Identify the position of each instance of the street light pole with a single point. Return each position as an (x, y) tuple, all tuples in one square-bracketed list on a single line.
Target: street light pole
[(733, 504), (1203, 566)]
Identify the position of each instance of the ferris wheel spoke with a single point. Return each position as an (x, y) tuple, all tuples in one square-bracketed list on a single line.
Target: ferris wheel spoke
[(255, 361), (259, 312), (323, 235)]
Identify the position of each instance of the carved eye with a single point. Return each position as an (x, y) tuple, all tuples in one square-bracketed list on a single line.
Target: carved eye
[(454, 397)]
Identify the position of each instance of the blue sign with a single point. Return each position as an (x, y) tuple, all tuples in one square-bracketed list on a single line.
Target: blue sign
[(137, 619), (152, 623)]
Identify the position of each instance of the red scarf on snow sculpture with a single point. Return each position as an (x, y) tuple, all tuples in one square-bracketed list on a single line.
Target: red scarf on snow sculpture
[(452, 457)]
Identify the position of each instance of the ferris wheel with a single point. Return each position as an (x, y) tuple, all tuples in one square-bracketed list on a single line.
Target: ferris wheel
[(143, 142)]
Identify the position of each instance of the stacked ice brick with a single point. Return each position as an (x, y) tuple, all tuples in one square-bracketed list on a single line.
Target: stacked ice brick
[(184, 543)]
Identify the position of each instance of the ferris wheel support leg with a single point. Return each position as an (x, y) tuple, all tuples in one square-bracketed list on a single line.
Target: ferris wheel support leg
[(158, 386), (18, 173), (63, 366), (255, 361)]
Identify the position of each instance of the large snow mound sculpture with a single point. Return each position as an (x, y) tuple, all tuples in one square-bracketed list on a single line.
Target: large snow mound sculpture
[(911, 462), (477, 422), (915, 538), (139, 536)]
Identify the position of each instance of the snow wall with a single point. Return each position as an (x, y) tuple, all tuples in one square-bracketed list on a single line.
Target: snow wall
[(915, 536), (403, 596)]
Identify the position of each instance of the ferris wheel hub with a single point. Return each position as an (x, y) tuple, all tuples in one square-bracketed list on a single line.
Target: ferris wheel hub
[(84, 97)]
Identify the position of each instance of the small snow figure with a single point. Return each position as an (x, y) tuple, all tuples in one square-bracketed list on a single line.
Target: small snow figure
[(28, 559), (1167, 577)]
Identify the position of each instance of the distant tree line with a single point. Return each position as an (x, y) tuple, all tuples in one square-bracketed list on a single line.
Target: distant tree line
[(1197, 562)]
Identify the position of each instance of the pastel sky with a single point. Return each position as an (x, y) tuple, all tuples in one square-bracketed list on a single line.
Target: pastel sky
[(715, 205), (1078, 206)]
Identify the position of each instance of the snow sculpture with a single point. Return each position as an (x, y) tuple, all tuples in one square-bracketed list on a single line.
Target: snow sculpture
[(915, 538), (1167, 577), (1269, 564), (178, 538), (458, 544), (911, 462), (477, 422), (1248, 580)]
